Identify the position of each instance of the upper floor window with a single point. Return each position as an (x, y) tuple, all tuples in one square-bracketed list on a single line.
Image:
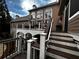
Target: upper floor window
[(47, 14), (33, 14), (40, 14)]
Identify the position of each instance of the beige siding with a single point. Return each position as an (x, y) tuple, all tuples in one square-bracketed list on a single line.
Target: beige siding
[(73, 25)]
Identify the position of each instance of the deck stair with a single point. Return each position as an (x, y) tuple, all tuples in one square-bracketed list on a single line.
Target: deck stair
[(62, 46)]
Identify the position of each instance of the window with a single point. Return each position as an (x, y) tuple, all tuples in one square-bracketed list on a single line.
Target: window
[(26, 26), (47, 14), (19, 25), (33, 14), (39, 15)]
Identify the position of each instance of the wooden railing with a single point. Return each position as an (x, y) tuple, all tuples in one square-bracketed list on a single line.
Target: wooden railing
[(49, 29), (48, 33), (9, 48), (36, 24)]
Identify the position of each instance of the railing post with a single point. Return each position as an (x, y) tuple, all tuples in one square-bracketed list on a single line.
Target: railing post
[(42, 46), (33, 53), (29, 48), (29, 25), (39, 25), (19, 45)]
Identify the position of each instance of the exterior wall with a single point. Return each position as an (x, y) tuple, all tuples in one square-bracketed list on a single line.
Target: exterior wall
[(73, 25), (55, 10)]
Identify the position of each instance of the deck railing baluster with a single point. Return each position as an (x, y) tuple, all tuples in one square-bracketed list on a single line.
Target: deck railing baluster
[(9, 48)]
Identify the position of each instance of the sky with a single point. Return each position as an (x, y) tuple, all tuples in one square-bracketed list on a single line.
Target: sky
[(21, 7)]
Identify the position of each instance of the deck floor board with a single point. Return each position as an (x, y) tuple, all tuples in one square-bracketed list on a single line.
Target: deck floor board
[(20, 56)]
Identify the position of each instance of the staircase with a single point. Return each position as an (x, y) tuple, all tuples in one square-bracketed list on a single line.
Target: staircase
[(62, 46)]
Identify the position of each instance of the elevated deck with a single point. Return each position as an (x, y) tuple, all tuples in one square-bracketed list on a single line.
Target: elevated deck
[(20, 56)]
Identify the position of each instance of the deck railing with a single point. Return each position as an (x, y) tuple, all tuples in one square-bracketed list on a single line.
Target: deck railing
[(38, 24), (9, 48), (35, 24)]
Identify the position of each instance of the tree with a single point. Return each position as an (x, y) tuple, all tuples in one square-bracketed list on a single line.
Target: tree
[(5, 19)]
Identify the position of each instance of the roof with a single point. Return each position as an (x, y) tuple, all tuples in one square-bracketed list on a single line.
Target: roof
[(48, 5), (21, 19)]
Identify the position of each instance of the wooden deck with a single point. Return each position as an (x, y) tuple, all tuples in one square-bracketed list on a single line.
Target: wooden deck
[(20, 56)]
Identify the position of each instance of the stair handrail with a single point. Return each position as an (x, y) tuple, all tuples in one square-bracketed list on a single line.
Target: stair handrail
[(49, 31), (43, 38)]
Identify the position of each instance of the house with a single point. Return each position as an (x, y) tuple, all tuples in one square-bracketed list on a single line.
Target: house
[(52, 45), (40, 14), (19, 23), (38, 18), (60, 45)]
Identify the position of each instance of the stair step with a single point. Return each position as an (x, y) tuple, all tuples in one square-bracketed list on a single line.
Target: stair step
[(63, 43), (63, 55), (76, 53), (54, 56), (69, 41), (61, 34), (62, 38), (64, 46)]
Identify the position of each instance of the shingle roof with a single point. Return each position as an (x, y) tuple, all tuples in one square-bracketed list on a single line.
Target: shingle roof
[(21, 19)]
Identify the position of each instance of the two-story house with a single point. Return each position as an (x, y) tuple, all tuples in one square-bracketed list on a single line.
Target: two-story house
[(43, 13), (39, 18)]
